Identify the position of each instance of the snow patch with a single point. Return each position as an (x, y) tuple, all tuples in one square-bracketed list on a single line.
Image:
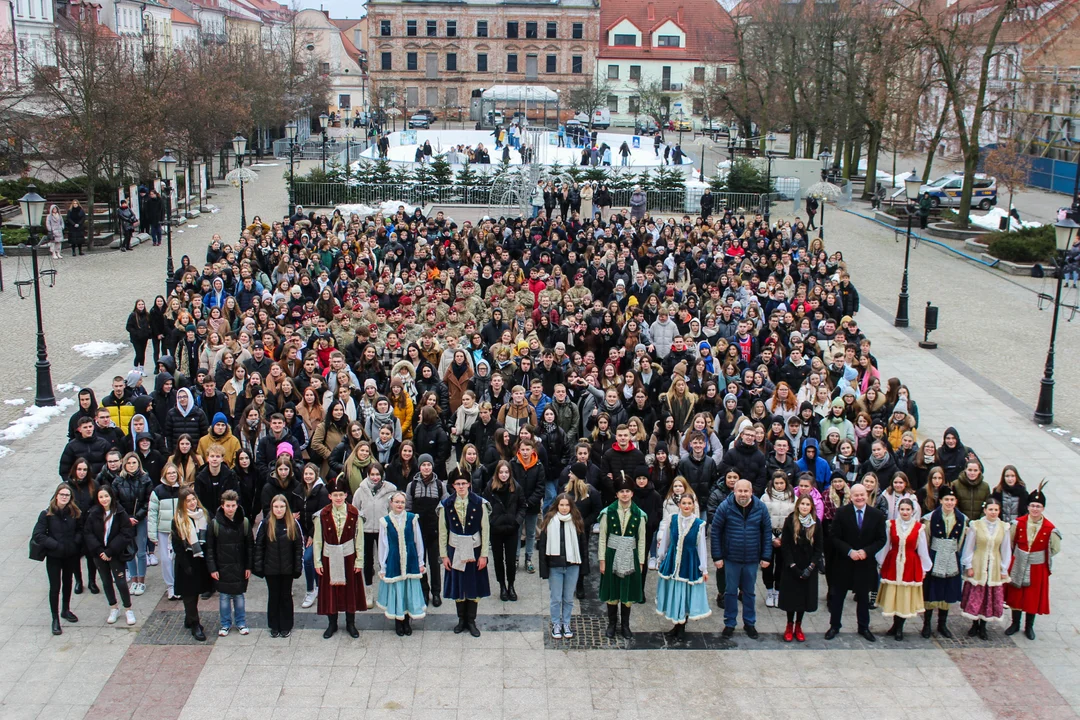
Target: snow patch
[(33, 417), (387, 208), (15, 401), (1060, 432), (5, 451), (97, 348), (265, 164), (67, 387), (992, 220), (192, 226)]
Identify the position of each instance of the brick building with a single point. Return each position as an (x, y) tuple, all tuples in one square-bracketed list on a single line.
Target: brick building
[(441, 55)]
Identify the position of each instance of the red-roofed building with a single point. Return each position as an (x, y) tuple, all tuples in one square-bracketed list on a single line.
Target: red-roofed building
[(185, 29), (675, 42), (339, 58)]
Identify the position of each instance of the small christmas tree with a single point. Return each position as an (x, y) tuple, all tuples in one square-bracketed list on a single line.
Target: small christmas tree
[(597, 174), (382, 172), (441, 172), (466, 182), (423, 182)]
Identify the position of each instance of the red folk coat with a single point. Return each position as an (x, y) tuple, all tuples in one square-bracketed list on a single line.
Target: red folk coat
[(1035, 598), (350, 596)]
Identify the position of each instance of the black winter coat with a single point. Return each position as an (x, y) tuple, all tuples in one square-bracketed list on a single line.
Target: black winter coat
[(230, 551), (434, 441), (120, 536), (617, 463), (701, 474), (313, 503), (294, 492), (797, 554), (58, 534), (507, 510), (749, 462), (92, 450), (210, 487), (191, 575), (281, 557), (133, 493), (194, 424), (530, 482)]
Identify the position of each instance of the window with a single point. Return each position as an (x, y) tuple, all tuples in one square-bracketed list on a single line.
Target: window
[(699, 106), (578, 31), (634, 105), (451, 61), (613, 103), (481, 28), (481, 62), (451, 28), (612, 72), (551, 63), (511, 63), (412, 96), (530, 30), (410, 28), (451, 97), (411, 62), (721, 75), (358, 38), (344, 102), (324, 68), (431, 66), (552, 30), (576, 64), (668, 41), (432, 97), (699, 74), (432, 28), (386, 62), (384, 28), (530, 67), (635, 72), (511, 29), (624, 39)]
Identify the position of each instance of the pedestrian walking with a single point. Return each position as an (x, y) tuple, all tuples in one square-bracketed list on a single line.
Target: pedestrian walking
[(76, 227), (54, 226)]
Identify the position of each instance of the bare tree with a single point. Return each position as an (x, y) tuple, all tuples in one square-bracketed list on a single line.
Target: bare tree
[(653, 100), (590, 97)]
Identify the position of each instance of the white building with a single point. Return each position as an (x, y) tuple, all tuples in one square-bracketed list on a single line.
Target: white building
[(338, 57), (185, 30), (34, 21)]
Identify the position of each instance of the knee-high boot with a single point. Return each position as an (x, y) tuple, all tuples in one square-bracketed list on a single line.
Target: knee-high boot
[(1015, 627), (625, 612), (927, 618), (612, 619), (942, 627), (470, 618), (462, 618), (1029, 626)]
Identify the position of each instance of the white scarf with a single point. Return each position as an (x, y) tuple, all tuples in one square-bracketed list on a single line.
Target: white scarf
[(568, 538)]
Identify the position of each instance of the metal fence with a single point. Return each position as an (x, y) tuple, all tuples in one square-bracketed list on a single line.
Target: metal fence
[(688, 201)]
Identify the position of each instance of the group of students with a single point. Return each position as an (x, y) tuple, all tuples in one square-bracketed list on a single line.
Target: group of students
[(341, 399)]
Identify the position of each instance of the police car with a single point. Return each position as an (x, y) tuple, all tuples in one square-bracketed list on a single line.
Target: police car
[(946, 191)]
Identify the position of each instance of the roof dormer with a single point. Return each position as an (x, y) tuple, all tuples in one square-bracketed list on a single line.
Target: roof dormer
[(668, 35), (624, 34)]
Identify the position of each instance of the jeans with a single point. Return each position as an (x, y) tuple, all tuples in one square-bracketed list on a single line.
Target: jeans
[(166, 560), (625, 161), (563, 582), (549, 495), (530, 535), (136, 567), (739, 576), (112, 572), (1072, 276), (309, 567), (155, 233), (232, 610)]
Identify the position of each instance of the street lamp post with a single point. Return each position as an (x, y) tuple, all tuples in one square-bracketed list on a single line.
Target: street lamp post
[(1064, 231), (770, 145), (239, 144), (324, 121), (33, 207), (290, 133), (826, 159), (912, 183), (167, 173)]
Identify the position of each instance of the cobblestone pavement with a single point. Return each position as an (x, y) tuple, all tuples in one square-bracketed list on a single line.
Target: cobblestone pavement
[(514, 670)]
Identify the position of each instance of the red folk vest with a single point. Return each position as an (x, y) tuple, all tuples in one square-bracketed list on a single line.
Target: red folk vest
[(911, 571)]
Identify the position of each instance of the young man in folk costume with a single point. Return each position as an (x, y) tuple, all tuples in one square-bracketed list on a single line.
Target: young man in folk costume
[(464, 545), (622, 555), (338, 546), (1035, 542), (945, 528)]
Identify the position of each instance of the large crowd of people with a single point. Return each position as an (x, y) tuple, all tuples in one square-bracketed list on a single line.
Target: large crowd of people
[(384, 406)]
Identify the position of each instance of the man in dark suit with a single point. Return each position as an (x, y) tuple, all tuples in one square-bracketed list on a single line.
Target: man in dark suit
[(858, 533)]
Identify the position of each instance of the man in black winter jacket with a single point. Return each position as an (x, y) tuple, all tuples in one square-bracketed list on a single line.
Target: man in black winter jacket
[(230, 556), (266, 450), (745, 458), (215, 478), (622, 461), (697, 466), (85, 445)]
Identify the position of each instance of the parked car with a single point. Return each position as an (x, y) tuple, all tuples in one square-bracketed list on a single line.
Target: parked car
[(682, 124), (710, 125), (946, 190), (645, 126), (419, 120), (429, 115)]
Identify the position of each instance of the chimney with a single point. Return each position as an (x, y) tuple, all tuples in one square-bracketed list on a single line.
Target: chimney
[(678, 15), (652, 12)]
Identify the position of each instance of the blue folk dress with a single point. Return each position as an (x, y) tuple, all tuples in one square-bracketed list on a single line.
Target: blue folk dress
[(401, 548), (680, 591)]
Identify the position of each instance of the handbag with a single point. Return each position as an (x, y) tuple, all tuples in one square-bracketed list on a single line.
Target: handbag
[(37, 552)]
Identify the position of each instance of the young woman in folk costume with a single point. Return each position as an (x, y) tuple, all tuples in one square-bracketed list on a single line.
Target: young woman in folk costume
[(985, 559), (903, 562), (945, 528)]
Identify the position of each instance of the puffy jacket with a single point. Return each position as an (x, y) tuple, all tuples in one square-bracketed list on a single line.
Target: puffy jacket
[(163, 501), (373, 506), (120, 535), (209, 487), (507, 509), (133, 492), (120, 411), (177, 423), (970, 498), (701, 474), (230, 551), (58, 534), (92, 450), (313, 503), (294, 492), (432, 440), (530, 482), (740, 539), (281, 557), (748, 461), (821, 471)]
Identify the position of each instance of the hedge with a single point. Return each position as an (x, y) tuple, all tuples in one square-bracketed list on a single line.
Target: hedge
[(1027, 245)]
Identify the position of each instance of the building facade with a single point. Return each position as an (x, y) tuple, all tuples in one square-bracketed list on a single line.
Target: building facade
[(682, 45), (338, 57), (439, 56)]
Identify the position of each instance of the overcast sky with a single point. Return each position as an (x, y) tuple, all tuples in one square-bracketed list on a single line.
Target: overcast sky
[(339, 9)]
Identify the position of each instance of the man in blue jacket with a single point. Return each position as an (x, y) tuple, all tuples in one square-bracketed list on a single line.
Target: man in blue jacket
[(741, 542)]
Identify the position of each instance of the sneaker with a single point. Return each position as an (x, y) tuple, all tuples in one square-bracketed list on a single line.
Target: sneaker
[(556, 631), (309, 599), (129, 616), (244, 630), (567, 632), (596, 529), (529, 567), (138, 588), (151, 559), (223, 632), (114, 615), (768, 598), (286, 633)]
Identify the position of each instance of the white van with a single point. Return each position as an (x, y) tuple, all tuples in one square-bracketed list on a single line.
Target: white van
[(601, 118)]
